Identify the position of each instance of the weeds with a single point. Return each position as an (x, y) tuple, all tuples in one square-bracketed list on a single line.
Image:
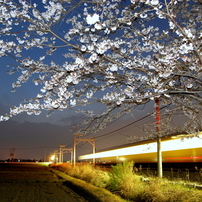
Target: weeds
[(100, 179), (87, 173), (162, 190), (124, 181), (120, 174)]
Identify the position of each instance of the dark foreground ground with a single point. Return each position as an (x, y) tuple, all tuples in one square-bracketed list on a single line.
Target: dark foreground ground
[(32, 182)]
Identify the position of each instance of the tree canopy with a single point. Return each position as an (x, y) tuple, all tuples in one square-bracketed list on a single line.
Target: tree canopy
[(118, 53)]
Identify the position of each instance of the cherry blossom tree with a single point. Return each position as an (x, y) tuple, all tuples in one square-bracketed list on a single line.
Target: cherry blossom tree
[(117, 53)]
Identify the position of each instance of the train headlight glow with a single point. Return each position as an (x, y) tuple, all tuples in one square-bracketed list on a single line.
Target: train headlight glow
[(169, 145), (52, 158)]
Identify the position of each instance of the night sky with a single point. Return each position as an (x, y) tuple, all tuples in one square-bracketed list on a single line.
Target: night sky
[(34, 137)]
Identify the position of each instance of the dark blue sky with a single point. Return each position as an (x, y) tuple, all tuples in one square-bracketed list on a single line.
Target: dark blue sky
[(32, 136)]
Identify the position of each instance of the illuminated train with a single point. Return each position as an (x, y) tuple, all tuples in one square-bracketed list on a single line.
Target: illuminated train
[(175, 149)]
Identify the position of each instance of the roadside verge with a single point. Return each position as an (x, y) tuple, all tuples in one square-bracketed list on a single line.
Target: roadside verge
[(88, 191)]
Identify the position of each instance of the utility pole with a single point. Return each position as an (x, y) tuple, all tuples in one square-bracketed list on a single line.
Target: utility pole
[(67, 150), (61, 153), (56, 153), (44, 159), (78, 139), (12, 151), (158, 130)]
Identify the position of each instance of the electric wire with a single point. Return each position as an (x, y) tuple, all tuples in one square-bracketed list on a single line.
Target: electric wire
[(134, 122)]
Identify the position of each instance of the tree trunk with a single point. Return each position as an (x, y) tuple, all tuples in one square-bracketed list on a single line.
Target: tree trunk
[(158, 130)]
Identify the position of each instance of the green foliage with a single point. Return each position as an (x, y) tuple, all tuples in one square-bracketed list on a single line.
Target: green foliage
[(153, 192), (75, 172), (86, 172), (124, 181), (100, 179), (120, 174), (162, 190)]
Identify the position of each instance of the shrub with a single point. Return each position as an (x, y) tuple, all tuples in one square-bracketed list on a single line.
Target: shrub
[(120, 174), (124, 181), (100, 178), (66, 167), (86, 172), (153, 191), (75, 172), (83, 171)]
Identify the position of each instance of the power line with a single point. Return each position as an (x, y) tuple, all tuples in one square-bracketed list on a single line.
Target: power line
[(134, 122), (109, 133), (27, 148)]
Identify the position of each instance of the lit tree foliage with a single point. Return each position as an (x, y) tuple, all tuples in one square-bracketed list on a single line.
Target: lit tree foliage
[(118, 53)]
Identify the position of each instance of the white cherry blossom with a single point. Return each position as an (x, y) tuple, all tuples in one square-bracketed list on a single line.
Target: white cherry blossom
[(92, 18), (154, 2)]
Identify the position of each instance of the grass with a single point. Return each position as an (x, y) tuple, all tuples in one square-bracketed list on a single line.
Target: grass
[(124, 182), (87, 173), (88, 191), (162, 190)]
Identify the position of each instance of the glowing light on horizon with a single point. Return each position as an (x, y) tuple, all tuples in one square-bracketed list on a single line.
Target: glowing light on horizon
[(169, 145), (52, 158)]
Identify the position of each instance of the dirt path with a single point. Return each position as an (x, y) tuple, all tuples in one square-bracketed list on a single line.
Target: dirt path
[(21, 182)]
